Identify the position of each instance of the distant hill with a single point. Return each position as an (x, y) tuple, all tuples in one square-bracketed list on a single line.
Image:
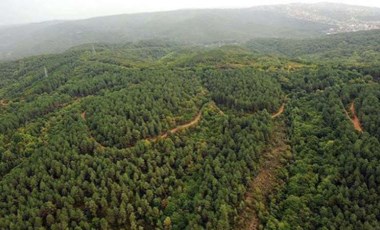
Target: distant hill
[(188, 26), (334, 46)]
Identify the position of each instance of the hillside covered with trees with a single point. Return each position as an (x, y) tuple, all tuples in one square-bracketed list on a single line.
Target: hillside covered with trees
[(156, 135), (187, 26)]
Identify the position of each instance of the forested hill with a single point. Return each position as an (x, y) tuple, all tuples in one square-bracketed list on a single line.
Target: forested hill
[(155, 135), (358, 44), (206, 26), (357, 50)]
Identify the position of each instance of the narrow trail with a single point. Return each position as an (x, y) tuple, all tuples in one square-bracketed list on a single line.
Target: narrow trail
[(83, 115), (264, 183), (217, 108), (280, 111), (355, 120), (185, 126), (189, 124)]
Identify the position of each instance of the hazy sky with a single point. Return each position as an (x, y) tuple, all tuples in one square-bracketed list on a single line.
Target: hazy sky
[(25, 11)]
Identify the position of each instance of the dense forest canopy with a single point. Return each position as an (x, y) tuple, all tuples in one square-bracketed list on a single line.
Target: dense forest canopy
[(156, 135)]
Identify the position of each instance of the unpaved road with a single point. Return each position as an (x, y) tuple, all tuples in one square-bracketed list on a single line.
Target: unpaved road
[(83, 115), (354, 119), (280, 111), (217, 108), (193, 122)]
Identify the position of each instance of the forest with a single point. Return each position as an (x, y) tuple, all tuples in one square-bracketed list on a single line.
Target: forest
[(155, 135)]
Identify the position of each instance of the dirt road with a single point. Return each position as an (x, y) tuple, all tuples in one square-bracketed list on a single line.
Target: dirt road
[(193, 122), (264, 183), (280, 111), (83, 115), (354, 119)]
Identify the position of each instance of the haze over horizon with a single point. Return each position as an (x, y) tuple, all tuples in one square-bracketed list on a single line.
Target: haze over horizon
[(33, 11)]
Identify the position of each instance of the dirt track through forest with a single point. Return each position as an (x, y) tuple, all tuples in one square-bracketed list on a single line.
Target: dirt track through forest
[(83, 115), (193, 122), (354, 119), (217, 108), (280, 111), (187, 125)]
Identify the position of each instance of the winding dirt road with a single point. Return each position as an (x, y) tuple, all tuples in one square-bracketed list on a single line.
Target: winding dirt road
[(280, 111), (189, 124)]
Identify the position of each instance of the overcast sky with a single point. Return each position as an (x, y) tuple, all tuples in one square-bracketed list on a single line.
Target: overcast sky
[(26, 11)]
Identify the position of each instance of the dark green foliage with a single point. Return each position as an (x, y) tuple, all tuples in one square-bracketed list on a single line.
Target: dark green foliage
[(368, 109), (73, 152), (147, 107), (360, 44), (78, 147), (244, 89), (332, 181)]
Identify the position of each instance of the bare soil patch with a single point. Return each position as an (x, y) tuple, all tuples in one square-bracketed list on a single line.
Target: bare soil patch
[(354, 119)]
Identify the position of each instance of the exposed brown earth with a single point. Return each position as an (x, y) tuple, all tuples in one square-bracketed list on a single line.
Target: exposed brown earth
[(195, 121), (354, 119), (83, 115), (189, 124), (280, 111), (3, 102)]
